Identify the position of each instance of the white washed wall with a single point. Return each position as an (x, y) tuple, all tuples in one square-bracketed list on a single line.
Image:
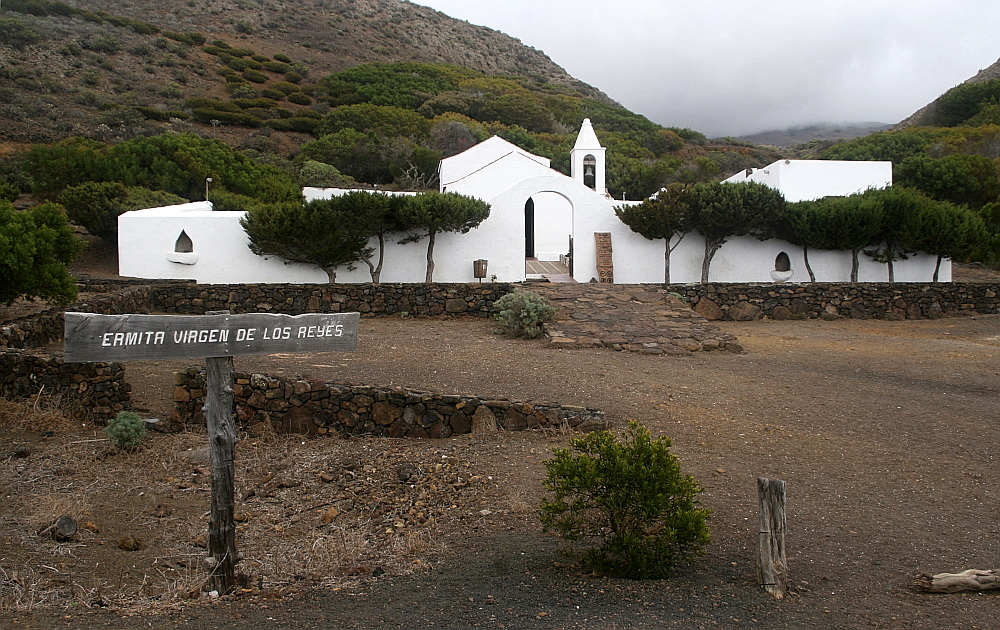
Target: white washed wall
[(800, 180)]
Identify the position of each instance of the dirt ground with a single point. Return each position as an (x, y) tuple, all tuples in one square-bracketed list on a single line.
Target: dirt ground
[(885, 433)]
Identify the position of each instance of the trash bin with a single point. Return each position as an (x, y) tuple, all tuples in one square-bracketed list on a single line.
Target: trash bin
[(479, 269)]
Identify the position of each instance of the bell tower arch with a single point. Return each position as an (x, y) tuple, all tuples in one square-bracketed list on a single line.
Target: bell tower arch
[(587, 160)]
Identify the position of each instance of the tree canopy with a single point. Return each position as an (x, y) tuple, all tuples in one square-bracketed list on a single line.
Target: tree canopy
[(36, 246), (664, 216), (721, 211), (303, 233), (432, 213)]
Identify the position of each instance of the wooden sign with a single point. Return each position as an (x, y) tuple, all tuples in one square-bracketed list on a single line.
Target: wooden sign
[(605, 266), (93, 337)]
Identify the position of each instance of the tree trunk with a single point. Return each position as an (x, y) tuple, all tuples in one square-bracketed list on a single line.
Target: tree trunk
[(772, 567), (805, 256), (429, 276), (855, 264), (222, 446), (888, 263), (969, 580), (331, 274), (937, 268), (377, 271), (666, 263), (710, 248)]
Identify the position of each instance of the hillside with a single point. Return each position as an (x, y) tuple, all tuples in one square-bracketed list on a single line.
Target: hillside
[(795, 136), (67, 75), (925, 114), (327, 82)]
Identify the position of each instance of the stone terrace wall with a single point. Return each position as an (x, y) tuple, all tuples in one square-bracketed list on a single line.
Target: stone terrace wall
[(473, 299), (96, 388), (313, 407), (745, 302)]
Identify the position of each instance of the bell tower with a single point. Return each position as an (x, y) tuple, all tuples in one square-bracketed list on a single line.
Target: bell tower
[(587, 159)]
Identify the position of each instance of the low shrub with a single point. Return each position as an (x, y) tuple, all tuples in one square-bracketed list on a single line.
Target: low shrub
[(126, 430), (522, 313), (631, 497), (299, 98)]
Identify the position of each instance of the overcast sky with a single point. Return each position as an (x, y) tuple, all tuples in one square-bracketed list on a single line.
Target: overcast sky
[(727, 67)]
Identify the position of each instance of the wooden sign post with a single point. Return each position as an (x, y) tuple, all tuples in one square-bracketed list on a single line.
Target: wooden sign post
[(217, 337)]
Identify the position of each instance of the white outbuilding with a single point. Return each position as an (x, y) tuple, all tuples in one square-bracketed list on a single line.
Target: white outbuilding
[(537, 214)]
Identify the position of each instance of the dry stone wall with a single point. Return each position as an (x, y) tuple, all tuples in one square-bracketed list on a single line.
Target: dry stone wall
[(27, 369), (747, 302), (473, 299), (312, 407), (96, 389)]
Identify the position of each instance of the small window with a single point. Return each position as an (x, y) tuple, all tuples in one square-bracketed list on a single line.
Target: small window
[(782, 262), (183, 244)]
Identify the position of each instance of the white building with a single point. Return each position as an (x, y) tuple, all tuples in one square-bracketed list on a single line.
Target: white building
[(536, 212), (804, 180)]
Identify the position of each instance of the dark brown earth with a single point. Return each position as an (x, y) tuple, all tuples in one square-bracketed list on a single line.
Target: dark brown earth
[(884, 431)]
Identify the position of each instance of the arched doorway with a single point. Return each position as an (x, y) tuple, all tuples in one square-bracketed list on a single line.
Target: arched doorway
[(529, 228)]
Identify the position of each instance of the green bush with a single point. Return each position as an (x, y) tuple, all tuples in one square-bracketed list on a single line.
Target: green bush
[(522, 313), (9, 191), (629, 495), (18, 35), (126, 430), (255, 76)]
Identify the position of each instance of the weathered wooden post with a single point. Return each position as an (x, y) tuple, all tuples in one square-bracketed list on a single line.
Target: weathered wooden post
[(217, 337), (772, 567), (221, 427)]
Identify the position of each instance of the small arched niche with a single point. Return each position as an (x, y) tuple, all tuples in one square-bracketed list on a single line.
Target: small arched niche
[(782, 262), (183, 253), (782, 271), (184, 245)]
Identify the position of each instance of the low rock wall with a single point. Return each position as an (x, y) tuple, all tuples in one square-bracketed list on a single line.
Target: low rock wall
[(473, 299), (746, 302), (98, 389), (265, 404)]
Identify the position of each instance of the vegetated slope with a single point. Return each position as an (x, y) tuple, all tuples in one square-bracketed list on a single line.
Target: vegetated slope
[(926, 115), (67, 74), (795, 136), (949, 150), (257, 75)]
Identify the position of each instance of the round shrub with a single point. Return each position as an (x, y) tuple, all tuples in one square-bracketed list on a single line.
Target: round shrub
[(630, 496), (256, 76), (522, 313), (299, 98), (126, 430)]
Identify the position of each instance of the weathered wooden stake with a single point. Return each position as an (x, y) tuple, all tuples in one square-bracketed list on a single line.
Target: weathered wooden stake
[(222, 448), (772, 567), (221, 427)]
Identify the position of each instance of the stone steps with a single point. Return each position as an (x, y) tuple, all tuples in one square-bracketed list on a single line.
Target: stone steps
[(633, 318)]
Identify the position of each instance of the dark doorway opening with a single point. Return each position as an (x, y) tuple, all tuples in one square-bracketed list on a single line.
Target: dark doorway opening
[(529, 228)]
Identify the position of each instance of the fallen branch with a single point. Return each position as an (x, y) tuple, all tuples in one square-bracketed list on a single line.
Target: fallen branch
[(970, 580)]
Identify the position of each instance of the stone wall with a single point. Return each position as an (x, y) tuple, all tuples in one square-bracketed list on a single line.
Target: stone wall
[(313, 407), (745, 302), (473, 299), (98, 389)]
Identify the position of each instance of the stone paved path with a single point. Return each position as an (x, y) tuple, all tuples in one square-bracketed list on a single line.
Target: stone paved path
[(634, 318)]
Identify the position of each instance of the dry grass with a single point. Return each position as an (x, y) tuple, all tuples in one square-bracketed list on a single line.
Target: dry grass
[(326, 511)]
